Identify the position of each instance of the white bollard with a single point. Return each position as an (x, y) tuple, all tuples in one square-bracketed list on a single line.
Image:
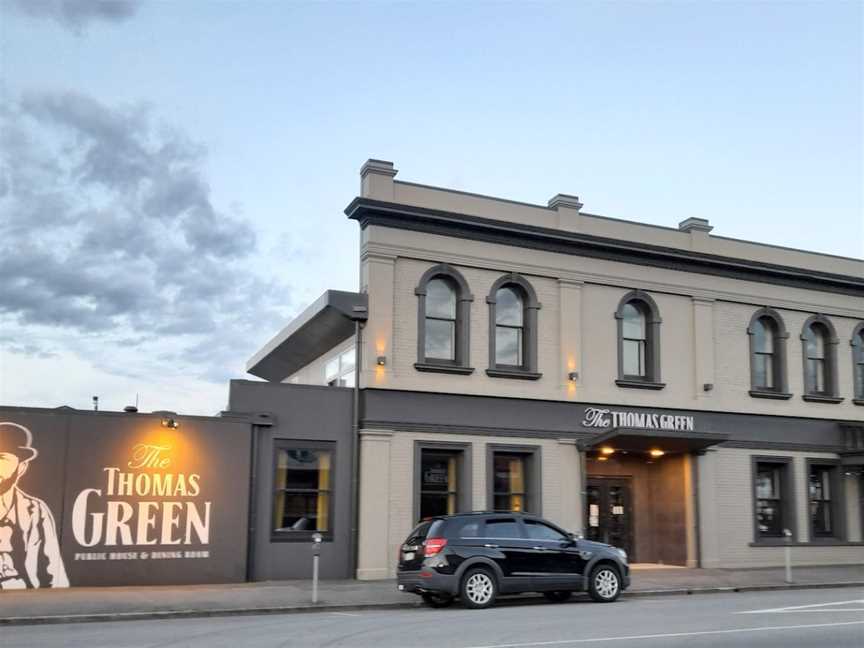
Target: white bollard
[(788, 551), (316, 551)]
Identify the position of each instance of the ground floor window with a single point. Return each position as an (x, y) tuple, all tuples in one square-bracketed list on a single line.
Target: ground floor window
[(773, 498), (439, 482), (509, 482), (823, 496), (303, 483)]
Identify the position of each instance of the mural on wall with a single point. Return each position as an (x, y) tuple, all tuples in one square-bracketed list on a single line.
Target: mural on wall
[(29, 547)]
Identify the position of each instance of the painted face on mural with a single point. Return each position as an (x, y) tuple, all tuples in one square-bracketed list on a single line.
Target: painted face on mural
[(10, 469)]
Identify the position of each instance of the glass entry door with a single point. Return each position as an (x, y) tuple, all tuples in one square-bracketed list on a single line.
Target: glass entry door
[(609, 512)]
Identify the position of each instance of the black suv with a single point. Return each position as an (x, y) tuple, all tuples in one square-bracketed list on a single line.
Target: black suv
[(477, 556)]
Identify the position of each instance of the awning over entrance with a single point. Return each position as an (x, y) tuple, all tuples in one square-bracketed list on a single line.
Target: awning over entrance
[(641, 440), (327, 322)]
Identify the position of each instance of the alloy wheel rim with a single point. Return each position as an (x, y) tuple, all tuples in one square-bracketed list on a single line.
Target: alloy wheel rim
[(606, 583), (479, 588)]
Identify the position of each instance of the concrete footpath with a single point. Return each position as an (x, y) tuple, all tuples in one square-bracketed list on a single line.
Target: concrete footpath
[(282, 597)]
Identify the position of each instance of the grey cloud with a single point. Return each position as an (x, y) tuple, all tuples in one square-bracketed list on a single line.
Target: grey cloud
[(75, 15), (107, 227)]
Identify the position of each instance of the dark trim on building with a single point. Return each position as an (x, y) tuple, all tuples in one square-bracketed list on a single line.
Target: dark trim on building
[(376, 212), (513, 373), (779, 358), (817, 398), (838, 501), (647, 307), (465, 472), (831, 342), (443, 368), (787, 496), (781, 446), (780, 543), (857, 344), (639, 384), (462, 352), (530, 307)]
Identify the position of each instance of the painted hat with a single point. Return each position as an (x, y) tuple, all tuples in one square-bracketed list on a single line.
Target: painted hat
[(16, 439)]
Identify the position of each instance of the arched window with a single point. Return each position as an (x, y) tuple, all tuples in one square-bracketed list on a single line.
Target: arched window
[(819, 344), (638, 341), (513, 310), (768, 355), (443, 321), (858, 363)]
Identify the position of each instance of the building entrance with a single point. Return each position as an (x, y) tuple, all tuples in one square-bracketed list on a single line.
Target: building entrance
[(609, 512)]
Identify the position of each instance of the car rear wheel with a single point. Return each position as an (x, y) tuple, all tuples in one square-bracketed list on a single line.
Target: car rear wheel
[(478, 589), (604, 585), (558, 596), (437, 600)]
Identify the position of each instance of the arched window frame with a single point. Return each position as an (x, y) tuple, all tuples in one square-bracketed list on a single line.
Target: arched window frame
[(461, 365), (857, 344), (830, 394), (530, 308), (652, 341), (781, 386)]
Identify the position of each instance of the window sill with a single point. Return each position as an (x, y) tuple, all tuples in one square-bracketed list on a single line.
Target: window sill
[(858, 401), (814, 543), (520, 374), (298, 536), (639, 384), (759, 393), (443, 368), (816, 398)]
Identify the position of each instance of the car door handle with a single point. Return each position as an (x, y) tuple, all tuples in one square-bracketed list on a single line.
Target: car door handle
[(539, 548), (491, 546)]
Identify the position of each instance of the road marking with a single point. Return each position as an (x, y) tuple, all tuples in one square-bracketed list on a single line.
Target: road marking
[(801, 608), (669, 635), (345, 614)]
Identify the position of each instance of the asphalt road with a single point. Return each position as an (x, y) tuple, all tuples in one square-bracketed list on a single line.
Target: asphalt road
[(832, 617)]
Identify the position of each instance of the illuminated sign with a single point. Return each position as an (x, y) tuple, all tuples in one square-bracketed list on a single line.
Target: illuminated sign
[(596, 417)]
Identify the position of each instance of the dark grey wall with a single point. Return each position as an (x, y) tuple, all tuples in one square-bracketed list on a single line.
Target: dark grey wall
[(210, 455), (391, 409), (303, 413)]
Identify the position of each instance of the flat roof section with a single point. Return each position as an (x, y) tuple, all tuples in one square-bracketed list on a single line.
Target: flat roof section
[(330, 320)]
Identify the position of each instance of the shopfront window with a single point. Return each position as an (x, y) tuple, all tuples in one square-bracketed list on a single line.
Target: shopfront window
[(439, 482), (771, 485), (822, 496), (303, 489), (509, 487)]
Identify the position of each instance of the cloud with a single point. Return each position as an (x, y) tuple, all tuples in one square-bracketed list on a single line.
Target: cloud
[(108, 234), (76, 15)]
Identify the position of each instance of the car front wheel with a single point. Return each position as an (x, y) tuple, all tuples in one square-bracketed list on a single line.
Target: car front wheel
[(437, 600), (478, 589), (605, 584)]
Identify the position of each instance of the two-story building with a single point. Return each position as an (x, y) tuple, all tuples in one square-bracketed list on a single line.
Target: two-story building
[(685, 396)]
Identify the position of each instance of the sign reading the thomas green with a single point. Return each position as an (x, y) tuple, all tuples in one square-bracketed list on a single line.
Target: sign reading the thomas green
[(596, 417)]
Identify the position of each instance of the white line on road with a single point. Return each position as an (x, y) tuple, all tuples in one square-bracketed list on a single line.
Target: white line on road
[(793, 608), (345, 614), (669, 635)]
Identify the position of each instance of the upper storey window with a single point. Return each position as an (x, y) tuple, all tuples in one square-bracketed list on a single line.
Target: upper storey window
[(820, 360), (443, 321), (638, 341), (513, 310), (858, 363), (767, 355)]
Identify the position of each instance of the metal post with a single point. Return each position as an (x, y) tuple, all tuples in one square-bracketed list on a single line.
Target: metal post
[(316, 551), (788, 550)]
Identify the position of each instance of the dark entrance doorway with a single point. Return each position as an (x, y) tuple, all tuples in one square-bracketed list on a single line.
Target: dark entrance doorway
[(609, 512)]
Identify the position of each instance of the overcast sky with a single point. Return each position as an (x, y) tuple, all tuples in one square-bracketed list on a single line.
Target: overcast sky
[(173, 174)]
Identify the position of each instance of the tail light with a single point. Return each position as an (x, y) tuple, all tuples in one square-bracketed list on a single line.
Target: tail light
[(434, 545)]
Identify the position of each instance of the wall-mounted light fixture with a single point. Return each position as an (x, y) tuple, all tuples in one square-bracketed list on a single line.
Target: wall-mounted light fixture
[(606, 450), (656, 452), (381, 361), (170, 422), (573, 376), (708, 386), (602, 458)]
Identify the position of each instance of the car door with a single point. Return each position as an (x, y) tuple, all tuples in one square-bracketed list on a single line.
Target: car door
[(559, 563), (503, 537)]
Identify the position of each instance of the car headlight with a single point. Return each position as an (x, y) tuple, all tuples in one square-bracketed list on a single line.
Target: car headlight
[(622, 553)]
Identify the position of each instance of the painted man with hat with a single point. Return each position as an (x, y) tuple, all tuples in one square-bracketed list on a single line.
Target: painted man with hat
[(29, 548)]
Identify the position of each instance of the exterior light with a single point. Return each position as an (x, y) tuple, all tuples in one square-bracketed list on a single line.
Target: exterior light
[(656, 452), (606, 450), (602, 458), (381, 360), (169, 422), (573, 376)]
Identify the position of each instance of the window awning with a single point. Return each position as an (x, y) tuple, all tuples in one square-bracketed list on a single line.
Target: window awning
[(642, 440), (331, 319)]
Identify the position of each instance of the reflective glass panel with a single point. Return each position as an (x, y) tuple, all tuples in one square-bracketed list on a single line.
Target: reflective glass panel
[(440, 299), (508, 346), (633, 322), (763, 335), (508, 307), (440, 339), (633, 357)]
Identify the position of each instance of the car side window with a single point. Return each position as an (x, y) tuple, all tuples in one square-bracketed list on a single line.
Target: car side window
[(463, 529), (502, 528), (539, 531)]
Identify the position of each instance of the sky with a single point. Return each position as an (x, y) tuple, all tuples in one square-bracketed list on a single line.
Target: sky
[(173, 174)]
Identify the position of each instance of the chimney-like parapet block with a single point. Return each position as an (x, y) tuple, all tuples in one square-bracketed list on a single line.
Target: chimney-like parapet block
[(568, 208), (695, 225), (376, 179)]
